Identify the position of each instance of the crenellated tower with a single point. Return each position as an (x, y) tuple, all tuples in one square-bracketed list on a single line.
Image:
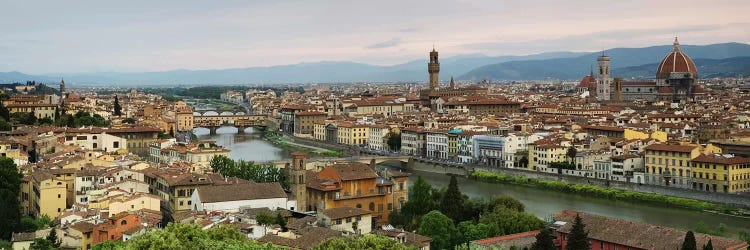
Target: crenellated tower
[(433, 67)]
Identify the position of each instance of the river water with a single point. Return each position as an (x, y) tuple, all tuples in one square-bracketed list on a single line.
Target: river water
[(542, 203), (248, 146)]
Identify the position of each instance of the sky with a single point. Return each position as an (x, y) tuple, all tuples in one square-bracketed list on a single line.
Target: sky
[(72, 36)]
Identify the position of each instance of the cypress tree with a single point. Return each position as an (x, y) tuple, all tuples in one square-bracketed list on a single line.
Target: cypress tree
[(578, 238), (4, 113), (52, 238), (452, 203), (544, 241), (708, 246), (689, 243), (118, 109)]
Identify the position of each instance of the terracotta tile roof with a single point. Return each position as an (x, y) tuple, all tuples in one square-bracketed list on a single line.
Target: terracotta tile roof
[(640, 235), (671, 148), (721, 159), (524, 239), (239, 192), (344, 212)]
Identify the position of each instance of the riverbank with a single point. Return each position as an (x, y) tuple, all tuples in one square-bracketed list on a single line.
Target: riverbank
[(280, 141), (609, 193)]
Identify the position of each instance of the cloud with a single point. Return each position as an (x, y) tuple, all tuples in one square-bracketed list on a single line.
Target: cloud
[(596, 40), (386, 44)]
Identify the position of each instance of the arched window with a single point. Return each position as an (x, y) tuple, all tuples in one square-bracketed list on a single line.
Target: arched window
[(372, 206), (123, 222)]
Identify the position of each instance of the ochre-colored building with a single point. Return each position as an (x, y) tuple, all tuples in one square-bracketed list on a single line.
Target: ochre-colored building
[(304, 121), (43, 194), (669, 165), (357, 185), (721, 173)]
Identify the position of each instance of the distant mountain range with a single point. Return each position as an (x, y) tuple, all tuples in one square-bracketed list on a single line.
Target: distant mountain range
[(726, 59), (628, 59)]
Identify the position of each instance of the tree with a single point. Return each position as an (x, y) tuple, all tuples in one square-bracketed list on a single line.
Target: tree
[(30, 119), (118, 109), (41, 244), (129, 120), (579, 238), (191, 236), (10, 186), (375, 242), (505, 201), (709, 245), (394, 141), (419, 203), (52, 238), (5, 126), (453, 202), (544, 241), (46, 121), (281, 221), (438, 227), (264, 219), (4, 113), (6, 245), (689, 242), (571, 153), (503, 221), (472, 231), (9, 214)]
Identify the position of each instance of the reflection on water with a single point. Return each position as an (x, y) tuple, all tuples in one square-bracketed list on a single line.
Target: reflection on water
[(247, 146), (544, 203)]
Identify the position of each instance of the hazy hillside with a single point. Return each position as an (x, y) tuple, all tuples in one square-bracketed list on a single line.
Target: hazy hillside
[(707, 68), (575, 67), (552, 65)]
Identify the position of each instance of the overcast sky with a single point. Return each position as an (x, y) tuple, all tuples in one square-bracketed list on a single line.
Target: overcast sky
[(91, 36)]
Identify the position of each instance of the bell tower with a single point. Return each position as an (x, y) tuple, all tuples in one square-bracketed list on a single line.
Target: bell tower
[(433, 67), (604, 82), (298, 184)]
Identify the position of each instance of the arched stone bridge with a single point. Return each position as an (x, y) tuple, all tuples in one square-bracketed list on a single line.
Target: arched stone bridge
[(215, 120)]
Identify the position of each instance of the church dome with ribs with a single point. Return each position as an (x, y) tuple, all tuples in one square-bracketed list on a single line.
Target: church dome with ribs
[(676, 61)]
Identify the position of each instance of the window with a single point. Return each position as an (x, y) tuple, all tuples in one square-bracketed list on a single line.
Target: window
[(372, 206), (123, 222), (338, 222), (349, 220), (116, 144)]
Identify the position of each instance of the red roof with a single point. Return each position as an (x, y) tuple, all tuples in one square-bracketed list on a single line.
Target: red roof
[(675, 61), (588, 82), (494, 240)]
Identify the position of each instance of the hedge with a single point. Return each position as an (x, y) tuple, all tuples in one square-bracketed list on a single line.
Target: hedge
[(598, 191)]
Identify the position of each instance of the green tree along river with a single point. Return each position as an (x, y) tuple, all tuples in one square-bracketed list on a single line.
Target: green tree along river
[(542, 203)]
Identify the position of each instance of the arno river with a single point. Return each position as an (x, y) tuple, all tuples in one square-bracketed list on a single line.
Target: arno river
[(542, 203)]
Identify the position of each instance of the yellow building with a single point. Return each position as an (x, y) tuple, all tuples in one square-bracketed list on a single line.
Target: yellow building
[(352, 134), (129, 203), (12, 149), (43, 194), (41, 106), (452, 146), (184, 118), (319, 131), (721, 173), (542, 154), (631, 134), (669, 165), (175, 187)]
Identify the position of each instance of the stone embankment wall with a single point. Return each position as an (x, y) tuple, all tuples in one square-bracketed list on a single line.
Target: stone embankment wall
[(735, 200)]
